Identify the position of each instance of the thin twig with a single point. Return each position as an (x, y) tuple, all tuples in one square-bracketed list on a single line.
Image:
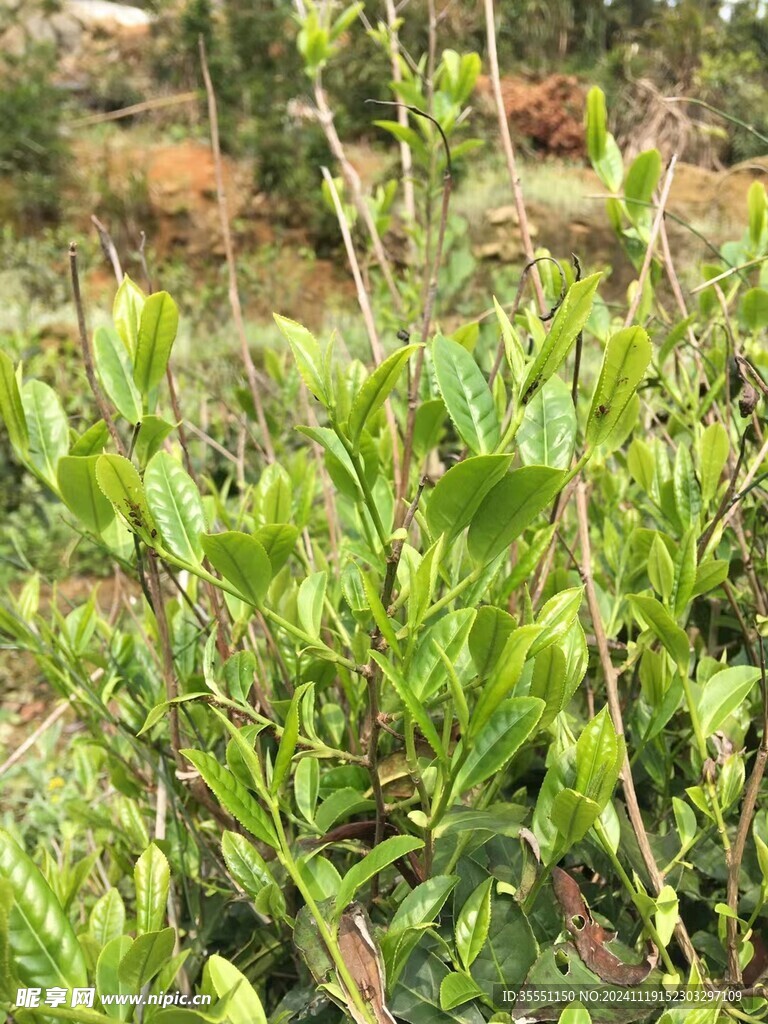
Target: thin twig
[(656, 227), (234, 294), (32, 739), (614, 708), (364, 303), (108, 247), (509, 151), (134, 108), (85, 346), (352, 178), (749, 803), (406, 157)]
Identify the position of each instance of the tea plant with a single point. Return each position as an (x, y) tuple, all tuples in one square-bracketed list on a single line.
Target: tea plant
[(470, 672)]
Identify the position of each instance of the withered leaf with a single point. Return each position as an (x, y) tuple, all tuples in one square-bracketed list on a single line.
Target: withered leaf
[(362, 957), (589, 938)]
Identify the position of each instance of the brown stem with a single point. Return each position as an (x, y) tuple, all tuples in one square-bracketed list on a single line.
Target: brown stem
[(614, 708), (655, 229), (234, 294), (413, 392), (352, 178), (364, 303), (90, 372), (509, 151), (745, 820), (169, 673)]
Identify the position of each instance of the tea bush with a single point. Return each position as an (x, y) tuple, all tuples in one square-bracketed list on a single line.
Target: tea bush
[(465, 679)]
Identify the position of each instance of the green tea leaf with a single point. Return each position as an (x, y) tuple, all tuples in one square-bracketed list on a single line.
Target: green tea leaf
[(375, 391), (126, 312), (380, 857), (723, 693), (175, 503), (151, 878), (642, 177), (664, 626), (145, 958), (569, 321), (233, 796), (288, 740), (459, 493), (306, 352), (547, 435), (242, 561), (47, 427), (41, 943), (81, 492), (504, 677), (245, 864), (244, 1007), (713, 448), (626, 359), (120, 482), (597, 118), (573, 814), (11, 408), (500, 738), (466, 394), (473, 923), (310, 603), (510, 507), (107, 919), (114, 368), (157, 333)]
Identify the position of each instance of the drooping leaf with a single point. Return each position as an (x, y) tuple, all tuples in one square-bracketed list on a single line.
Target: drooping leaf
[(81, 492), (459, 493), (241, 560)]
